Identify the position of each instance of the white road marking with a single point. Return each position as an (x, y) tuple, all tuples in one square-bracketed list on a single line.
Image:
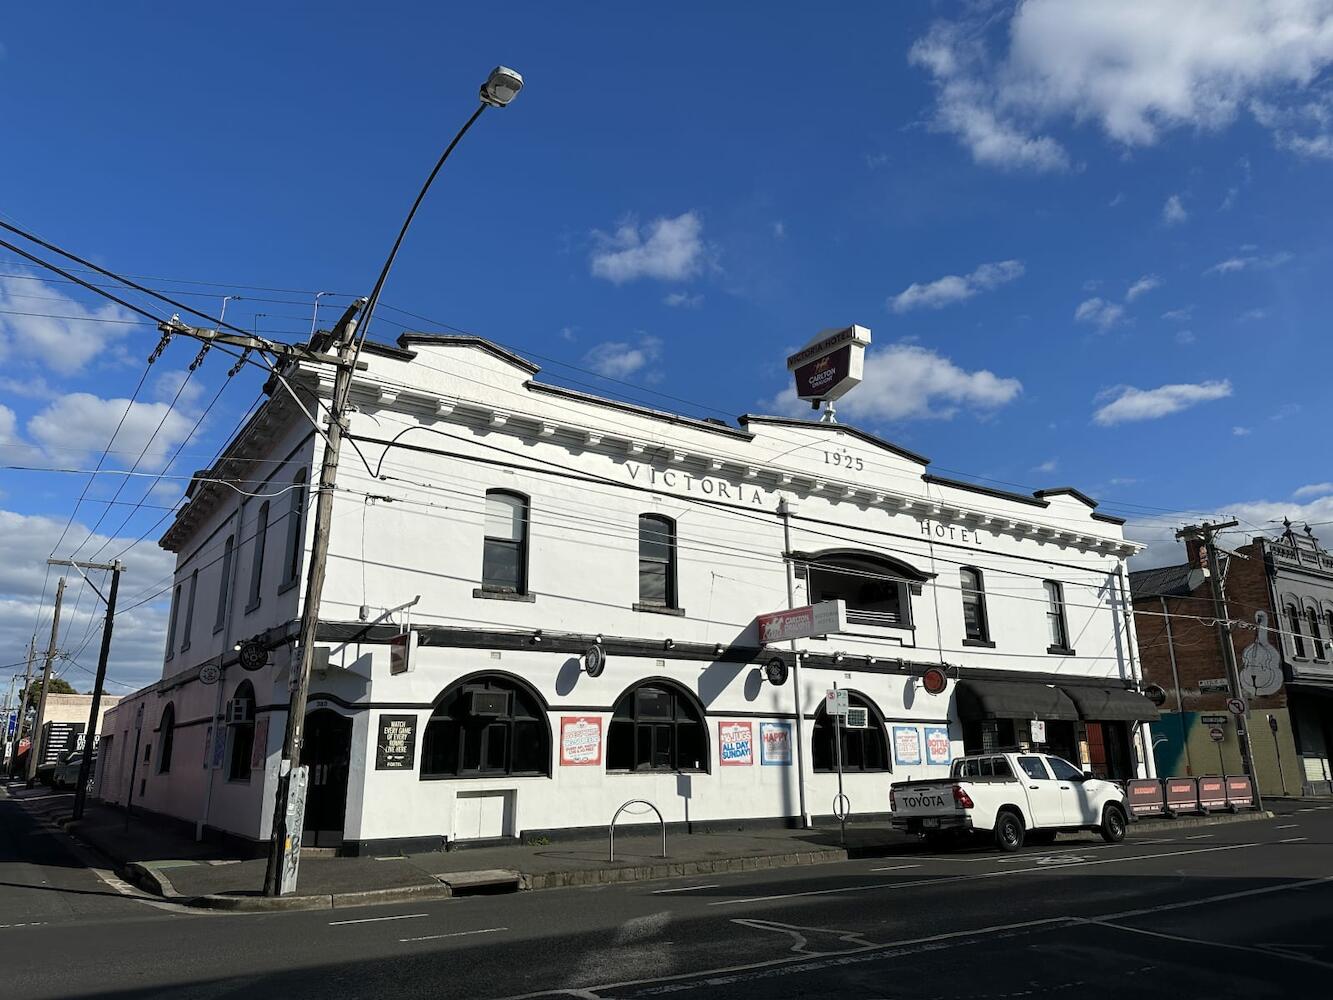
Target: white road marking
[(31, 923), (1200, 836), (686, 888), (894, 868), (1266, 952), (436, 937), (968, 878), (1287, 826), (1293, 840), (374, 920)]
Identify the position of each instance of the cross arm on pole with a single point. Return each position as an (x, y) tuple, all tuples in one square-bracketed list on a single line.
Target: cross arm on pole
[(79, 568), (176, 326)]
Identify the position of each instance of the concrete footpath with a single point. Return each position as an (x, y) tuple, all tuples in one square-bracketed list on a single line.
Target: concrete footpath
[(162, 861)]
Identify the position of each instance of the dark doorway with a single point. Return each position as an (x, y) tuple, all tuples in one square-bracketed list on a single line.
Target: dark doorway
[(328, 754)]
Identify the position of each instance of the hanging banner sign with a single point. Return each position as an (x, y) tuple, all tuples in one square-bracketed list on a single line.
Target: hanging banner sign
[(402, 652), (775, 743), (938, 748), (736, 744), (906, 745), (580, 741), (396, 747), (823, 618), (259, 750), (830, 365)]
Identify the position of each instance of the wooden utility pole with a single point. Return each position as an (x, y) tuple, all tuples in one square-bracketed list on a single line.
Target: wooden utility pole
[(90, 734), (36, 737), (24, 698), (287, 841)]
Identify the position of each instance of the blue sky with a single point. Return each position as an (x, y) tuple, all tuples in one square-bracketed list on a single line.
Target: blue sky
[(1090, 239)]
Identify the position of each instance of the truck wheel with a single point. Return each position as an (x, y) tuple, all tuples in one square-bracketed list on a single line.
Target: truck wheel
[(1008, 831), (1113, 824)]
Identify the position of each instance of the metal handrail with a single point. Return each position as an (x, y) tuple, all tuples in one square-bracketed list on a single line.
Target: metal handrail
[(611, 854)]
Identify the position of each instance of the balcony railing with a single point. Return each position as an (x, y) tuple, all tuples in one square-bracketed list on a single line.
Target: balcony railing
[(876, 619)]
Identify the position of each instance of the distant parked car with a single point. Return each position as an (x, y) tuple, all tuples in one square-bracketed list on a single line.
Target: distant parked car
[(66, 773)]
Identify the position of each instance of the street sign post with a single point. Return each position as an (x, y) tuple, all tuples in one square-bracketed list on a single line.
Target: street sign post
[(1217, 734), (1236, 706), (837, 703)]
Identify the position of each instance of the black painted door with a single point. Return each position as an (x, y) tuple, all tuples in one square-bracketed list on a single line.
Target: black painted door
[(328, 754)]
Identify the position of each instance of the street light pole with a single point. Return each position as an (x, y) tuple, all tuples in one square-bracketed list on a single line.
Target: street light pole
[(499, 89)]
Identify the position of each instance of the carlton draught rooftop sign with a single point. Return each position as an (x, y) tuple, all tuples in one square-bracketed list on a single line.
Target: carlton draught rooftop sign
[(830, 365)]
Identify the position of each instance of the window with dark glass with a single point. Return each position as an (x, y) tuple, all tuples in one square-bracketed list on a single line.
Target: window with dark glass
[(486, 727), (1316, 637), (656, 727), (975, 625), (171, 621), (241, 736), (1057, 627), (505, 557), (224, 583), (291, 559), (657, 561), (166, 738), (189, 611), (862, 749), (257, 563), (876, 592), (1294, 625)]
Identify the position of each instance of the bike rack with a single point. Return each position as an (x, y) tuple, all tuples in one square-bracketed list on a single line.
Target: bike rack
[(611, 854)]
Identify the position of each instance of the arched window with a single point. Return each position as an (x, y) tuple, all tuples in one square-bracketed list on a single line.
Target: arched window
[(224, 583), (877, 590), (976, 626), (171, 621), (240, 732), (1316, 636), (1294, 626), (504, 564), (487, 726), (862, 749), (257, 561), (657, 561), (1328, 622), (657, 727), (291, 559), (166, 738)]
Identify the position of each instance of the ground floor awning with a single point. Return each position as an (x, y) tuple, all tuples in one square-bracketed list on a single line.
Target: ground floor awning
[(1014, 700), (1107, 704)]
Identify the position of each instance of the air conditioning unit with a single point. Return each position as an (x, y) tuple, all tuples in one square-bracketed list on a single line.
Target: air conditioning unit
[(240, 712)]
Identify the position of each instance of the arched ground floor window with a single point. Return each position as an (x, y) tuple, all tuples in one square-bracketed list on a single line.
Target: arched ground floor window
[(485, 726)]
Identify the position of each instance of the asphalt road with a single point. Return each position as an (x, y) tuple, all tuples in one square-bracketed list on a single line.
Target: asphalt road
[(1240, 910)]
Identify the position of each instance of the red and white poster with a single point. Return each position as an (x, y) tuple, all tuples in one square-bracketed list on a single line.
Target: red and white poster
[(580, 741), (736, 743)]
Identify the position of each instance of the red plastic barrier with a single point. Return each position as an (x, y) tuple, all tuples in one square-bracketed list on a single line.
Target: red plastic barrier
[(1145, 797), (1182, 795), (1212, 794), (1240, 791)]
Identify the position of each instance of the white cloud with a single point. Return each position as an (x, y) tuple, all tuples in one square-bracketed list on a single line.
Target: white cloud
[(1252, 315), (7, 424), (665, 249), (42, 324), (1134, 68), (1314, 490), (1173, 212), (567, 333), (621, 359), (1127, 403), (907, 382), (1179, 315), (1143, 286), (956, 288), (136, 649), (683, 300), (1099, 312), (1240, 431), (780, 230), (1047, 466), (1257, 517), (77, 426), (1185, 337), (1242, 262)]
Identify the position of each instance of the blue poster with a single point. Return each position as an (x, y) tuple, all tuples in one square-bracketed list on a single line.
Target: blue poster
[(938, 748), (906, 745), (775, 743)]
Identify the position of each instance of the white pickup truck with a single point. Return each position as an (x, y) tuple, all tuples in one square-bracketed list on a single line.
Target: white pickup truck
[(1011, 796)]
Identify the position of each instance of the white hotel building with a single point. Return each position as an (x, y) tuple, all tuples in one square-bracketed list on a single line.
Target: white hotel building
[(530, 522)]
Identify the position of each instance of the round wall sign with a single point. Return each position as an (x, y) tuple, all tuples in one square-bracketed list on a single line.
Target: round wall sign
[(776, 671), (1156, 694), (209, 673), (934, 680), (594, 661), (253, 655)]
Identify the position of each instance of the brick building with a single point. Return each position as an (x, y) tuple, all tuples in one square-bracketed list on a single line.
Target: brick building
[(1284, 587)]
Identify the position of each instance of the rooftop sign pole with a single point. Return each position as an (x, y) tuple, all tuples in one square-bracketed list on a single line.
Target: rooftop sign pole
[(829, 366)]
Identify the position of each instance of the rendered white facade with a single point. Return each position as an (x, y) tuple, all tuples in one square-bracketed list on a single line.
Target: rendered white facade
[(439, 422)]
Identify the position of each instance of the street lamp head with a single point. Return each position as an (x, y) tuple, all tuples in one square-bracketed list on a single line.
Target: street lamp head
[(501, 86)]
